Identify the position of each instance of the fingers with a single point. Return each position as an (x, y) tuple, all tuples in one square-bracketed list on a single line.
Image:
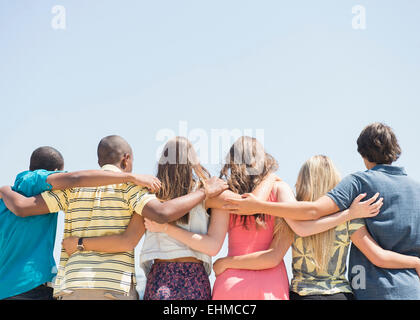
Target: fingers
[(230, 206), (373, 199), (377, 206), (233, 201), (360, 197)]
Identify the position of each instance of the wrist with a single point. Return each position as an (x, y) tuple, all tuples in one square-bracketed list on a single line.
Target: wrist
[(165, 228), (80, 244), (349, 214), (204, 192), (417, 263), (130, 178)]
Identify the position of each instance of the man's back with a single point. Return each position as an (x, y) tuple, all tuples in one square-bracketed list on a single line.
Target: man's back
[(396, 228), (92, 212), (26, 244)]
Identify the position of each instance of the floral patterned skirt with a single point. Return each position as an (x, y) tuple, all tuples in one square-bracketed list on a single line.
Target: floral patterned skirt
[(177, 281)]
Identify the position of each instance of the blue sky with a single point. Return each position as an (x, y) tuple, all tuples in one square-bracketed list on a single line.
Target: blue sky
[(296, 69)]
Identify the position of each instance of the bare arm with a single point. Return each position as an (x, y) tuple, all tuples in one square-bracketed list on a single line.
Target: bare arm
[(302, 210), (22, 206), (262, 192), (126, 241), (94, 178), (171, 210), (30, 206), (257, 260), (358, 209), (209, 243), (380, 257), (122, 242)]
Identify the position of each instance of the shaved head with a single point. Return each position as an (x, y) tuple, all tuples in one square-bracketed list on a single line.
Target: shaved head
[(112, 149)]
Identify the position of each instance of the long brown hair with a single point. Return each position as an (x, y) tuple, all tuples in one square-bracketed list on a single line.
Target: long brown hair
[(247, 164), (318, 176), (179, 171)]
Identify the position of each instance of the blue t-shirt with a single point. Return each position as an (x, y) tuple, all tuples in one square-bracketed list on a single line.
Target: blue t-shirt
[(26, 244), (395, 228)]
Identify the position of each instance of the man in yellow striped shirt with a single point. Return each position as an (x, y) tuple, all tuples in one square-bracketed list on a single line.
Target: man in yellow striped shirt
[(101, 211)]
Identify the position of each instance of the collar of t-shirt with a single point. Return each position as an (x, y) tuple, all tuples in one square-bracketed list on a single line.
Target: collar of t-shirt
[(111, 167), (387, 168)]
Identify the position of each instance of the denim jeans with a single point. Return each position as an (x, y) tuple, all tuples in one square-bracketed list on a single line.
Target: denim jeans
[(41, 292)]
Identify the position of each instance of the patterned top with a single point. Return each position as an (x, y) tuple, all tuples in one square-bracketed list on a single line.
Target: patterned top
[(307, 280), (93, 212)]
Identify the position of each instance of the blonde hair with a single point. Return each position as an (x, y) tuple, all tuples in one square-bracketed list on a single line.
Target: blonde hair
[(316, 178)]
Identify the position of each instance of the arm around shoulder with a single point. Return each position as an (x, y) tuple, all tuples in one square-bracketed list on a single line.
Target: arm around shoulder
[(23, 206)]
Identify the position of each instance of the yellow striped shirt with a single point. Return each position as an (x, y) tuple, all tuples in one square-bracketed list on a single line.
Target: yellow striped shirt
[(93, 212)]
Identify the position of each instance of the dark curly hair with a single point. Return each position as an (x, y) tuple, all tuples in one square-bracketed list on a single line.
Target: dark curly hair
[(378, 144)]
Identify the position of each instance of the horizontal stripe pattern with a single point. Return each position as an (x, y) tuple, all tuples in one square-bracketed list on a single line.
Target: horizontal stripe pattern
[(93, 212)]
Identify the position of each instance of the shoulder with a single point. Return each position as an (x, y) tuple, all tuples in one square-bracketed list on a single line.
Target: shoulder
[(282, 186), (283, 192), (32, 182)]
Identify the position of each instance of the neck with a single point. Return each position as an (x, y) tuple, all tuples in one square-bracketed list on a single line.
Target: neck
[(371, 165)]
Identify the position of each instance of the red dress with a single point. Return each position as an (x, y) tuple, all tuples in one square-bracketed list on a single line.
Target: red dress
[(240, 284)]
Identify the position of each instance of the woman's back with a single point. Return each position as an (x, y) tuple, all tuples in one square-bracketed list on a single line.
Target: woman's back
[(250, 239), (240, 284)]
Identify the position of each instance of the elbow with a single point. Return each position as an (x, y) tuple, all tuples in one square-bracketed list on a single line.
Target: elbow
[(379, 261), (301, 232), (212, 252), (19, 210), (162, 217), (272, 262), (130, 245), (315, 213)]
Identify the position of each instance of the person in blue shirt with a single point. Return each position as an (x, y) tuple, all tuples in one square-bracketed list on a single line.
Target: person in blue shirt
[(374, 273), (27, 265)]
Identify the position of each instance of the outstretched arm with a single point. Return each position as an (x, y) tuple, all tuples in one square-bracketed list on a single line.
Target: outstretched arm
[(358, 209), (261, 192), (209, 243), (380, 257), (122, 242), (171, 210), (29, 206), (259, 260), (94, 178), (302, 210)]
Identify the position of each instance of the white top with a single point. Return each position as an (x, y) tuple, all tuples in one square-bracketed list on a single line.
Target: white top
[(158, 245)]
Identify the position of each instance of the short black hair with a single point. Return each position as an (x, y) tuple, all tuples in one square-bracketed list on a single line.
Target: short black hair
[(46, 158), (378, 144), (112, 149)]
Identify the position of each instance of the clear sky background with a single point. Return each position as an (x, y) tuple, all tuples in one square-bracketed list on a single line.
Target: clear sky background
[(296, 69)]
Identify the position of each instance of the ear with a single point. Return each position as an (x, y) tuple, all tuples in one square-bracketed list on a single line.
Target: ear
[(124, 160)]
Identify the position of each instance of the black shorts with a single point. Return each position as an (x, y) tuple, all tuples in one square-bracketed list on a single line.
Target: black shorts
[(337, 296)]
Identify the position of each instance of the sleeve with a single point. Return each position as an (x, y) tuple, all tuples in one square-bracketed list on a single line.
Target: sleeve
[(30, 183), (57, 200), (42, 176), (346, 191), (138, 197), (355, 225)]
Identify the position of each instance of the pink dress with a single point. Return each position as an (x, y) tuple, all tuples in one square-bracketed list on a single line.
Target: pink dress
[(240, 284)]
